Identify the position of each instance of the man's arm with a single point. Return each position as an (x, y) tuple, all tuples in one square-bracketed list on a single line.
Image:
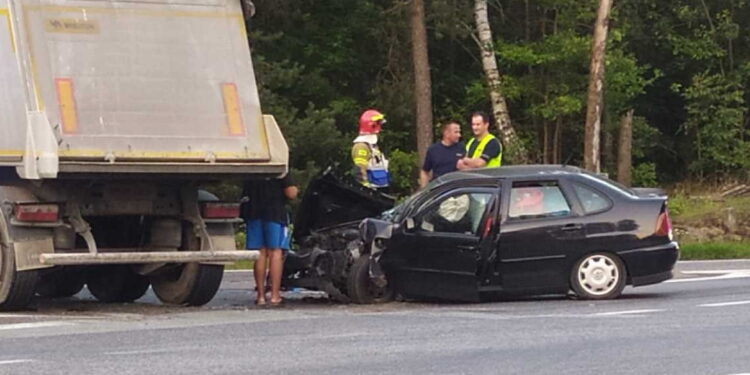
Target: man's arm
[(361, 155), (290, 191), (425, 174), (492, 150), (471, 163), (424, 178)]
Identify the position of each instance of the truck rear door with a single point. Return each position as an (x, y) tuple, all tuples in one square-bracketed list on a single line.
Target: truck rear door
[(145, 79)]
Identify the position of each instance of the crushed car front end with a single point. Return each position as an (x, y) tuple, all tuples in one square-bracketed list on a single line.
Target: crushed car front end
[(327, 234)]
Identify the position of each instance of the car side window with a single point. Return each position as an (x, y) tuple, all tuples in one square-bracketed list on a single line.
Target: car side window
[(537, 199), (459, 213), (591, 200)]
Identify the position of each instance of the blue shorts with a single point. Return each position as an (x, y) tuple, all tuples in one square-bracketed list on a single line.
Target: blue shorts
[(263, 234)]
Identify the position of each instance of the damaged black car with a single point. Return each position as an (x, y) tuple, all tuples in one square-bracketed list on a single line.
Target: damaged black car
[(473, 236)]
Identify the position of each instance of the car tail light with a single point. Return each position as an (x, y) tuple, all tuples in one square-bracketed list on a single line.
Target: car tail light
[(220, 210), (37, 212), (664, 225)]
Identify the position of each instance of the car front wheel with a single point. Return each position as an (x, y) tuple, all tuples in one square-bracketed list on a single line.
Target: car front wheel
[(361, 288), (598, 276)]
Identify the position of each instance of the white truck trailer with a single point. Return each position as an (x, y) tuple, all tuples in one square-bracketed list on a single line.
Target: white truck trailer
[(112, 114)]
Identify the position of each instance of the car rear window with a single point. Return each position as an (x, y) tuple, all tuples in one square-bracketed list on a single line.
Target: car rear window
[(591, 200), (611, 183), (537, 199)]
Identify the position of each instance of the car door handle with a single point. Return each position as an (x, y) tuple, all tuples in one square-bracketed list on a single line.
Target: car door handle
[(572, 227), (466, 247)]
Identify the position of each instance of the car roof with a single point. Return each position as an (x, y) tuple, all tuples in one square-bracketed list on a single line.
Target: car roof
[(512, 171)]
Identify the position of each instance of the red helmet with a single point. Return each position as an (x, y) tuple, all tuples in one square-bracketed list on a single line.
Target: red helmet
[(370, 122)]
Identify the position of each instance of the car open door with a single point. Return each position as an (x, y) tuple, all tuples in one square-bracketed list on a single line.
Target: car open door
[(436, 254)]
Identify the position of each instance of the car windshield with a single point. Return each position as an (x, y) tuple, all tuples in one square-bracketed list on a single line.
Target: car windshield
[(396, 213)]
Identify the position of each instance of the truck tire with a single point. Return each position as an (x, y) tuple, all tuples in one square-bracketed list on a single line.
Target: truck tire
[(65, 282), (361, 289), (191, 284), (16, 287), (116, 283)]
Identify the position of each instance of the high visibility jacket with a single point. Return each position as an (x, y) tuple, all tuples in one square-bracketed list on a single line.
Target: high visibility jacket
[(370, 157), (494, 162)]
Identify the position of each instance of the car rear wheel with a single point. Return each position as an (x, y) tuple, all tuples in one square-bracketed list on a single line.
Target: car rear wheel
[(361, 288), (598, 276)]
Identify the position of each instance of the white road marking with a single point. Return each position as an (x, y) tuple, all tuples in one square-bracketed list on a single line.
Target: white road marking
[(19, 315), (14, 361), (722, 304), (145, 351), (720, 275), (6, 327), (627, 312)]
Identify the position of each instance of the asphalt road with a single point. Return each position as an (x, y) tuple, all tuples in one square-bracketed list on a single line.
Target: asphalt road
[(698, 323)]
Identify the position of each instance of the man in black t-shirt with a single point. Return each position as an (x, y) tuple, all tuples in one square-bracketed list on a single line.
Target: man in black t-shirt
[(442, 156), (264, 211)]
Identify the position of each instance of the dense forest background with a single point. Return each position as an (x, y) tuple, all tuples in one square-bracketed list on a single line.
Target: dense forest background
[(681, 65)]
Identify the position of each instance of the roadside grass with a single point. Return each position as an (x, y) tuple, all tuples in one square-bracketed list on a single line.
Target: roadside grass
[(239, 241), (697, 210), (715, 250), (241, 265)]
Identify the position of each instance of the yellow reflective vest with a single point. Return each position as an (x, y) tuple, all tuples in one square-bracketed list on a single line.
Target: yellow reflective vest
[(494, 162)]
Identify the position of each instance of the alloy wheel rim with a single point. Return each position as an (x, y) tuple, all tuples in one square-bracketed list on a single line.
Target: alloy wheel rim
[(598, 275)]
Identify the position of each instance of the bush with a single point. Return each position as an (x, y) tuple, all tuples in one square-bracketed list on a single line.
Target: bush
[(644, 175), (403, 168)]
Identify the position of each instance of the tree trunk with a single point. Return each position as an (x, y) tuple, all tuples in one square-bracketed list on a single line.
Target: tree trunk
[(624, 149), (591, 148), (514, 149), (557, 143), (545, 143), (609, 149), (422, 81)]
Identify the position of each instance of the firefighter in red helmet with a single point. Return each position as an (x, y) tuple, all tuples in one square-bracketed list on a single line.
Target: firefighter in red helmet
[(371, 166)]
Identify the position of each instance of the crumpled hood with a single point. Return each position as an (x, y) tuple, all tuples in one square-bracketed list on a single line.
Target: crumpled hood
[(330, 200)]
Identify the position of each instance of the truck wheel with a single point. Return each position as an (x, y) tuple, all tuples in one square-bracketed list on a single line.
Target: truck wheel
[(361, 289), (16, 287), (192, 284), (116, 283), (65, 282)]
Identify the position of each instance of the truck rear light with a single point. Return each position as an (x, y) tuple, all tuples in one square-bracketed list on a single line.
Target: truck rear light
[(37, 212), (664, 225), (220, 210)]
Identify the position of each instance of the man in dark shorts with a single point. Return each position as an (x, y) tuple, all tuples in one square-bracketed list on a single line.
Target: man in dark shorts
[(264, 211), (442, 156)]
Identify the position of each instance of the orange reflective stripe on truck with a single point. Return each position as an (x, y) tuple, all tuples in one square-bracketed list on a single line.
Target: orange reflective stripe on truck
[(66, 100), (232, 108)]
